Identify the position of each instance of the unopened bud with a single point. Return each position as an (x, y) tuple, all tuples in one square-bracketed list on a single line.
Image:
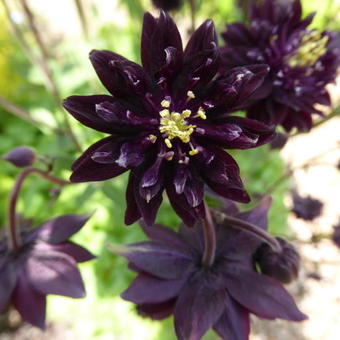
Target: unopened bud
[(21, 156), (283, 266), (167, 5)]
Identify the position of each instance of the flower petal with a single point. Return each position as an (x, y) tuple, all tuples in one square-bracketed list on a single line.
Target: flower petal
[(132, 213), (158, 35), (25, 297), (157, 311), (8, 281), (149, 289), (234, 324), (54, 273), (83, 108), (162, 261), (261, 295), (198, 308), (59, 229), (88, 168), (78, 253)]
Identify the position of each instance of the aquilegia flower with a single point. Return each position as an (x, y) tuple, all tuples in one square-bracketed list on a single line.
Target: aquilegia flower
[(45, 263), (171, 279), (302, 62), (169, 121)]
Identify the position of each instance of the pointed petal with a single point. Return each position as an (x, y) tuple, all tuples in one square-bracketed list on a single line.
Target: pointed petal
[(198, 308), (132, 213), (78, 253), (157, 311), (54, 273), (8, 281), (261, 295), (83, 108), (162, 261), (24, 298), (158, 35), (149, 289), (234, 324)]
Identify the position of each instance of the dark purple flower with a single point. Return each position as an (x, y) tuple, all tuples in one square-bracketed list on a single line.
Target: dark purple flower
[(284, 266), (279, 142), (45, 263), (167, 5), (169, 121), (171, 279), (306, 208), (21, 156), (302, 62)]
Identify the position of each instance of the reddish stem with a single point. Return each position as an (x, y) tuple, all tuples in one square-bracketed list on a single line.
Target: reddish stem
[(209, 238)]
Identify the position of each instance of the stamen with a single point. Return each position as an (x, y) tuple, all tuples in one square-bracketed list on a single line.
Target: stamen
[(164, 113), (201, 113), (190, 94), (168, 143), (165, 103), (193, 150), (152, 138), (312, 47)]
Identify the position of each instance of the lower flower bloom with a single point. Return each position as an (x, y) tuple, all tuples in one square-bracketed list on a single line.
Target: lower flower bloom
[(45, 263), (171, 279)]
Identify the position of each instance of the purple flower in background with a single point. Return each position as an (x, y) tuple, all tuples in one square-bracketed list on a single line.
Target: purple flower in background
[(306, 208), (336, 235), (45, 263), (302, 62), (171, 279), (167, 5), (169, 121)]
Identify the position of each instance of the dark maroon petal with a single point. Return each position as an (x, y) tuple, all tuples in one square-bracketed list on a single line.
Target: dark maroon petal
[(54, 273), (238, 34), (261, 295), (198, 308), (193, 236), (163, 235), (8, 281), (132, 213), (83, 108), (90, 167), (234, 324), (158, 35), (162, 261), (78, 253), (222, 176), (149, 289), (157, 311), (30, 304), (59, 229), (121, 77)]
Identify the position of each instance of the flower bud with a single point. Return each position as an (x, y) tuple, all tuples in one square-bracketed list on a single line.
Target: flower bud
[(283, 266), (21, 156), (167, 5)]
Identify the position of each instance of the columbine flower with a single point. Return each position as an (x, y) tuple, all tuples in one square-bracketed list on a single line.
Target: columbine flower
[(306, 208), (167, 5), (169, 121), (302, 62), (172, 280), (45, 263)]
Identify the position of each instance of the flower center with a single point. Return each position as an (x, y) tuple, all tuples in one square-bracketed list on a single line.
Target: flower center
[(174, 124), (312, 47)]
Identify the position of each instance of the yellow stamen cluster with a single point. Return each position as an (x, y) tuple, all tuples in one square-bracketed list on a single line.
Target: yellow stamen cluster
[(174, 124), (313, 46)]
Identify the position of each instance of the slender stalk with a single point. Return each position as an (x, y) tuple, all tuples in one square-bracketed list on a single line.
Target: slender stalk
[(42, 62), (252, 228), (209, 238), (192, 4), (21, 113), (13, 232), (82, 17)]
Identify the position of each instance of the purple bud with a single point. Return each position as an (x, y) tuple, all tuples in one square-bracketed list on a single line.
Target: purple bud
[(284, 266), (167, 5), (21, 156), (279, 141)]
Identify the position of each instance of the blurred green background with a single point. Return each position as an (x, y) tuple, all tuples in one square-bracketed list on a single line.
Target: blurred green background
[(39, 70)]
